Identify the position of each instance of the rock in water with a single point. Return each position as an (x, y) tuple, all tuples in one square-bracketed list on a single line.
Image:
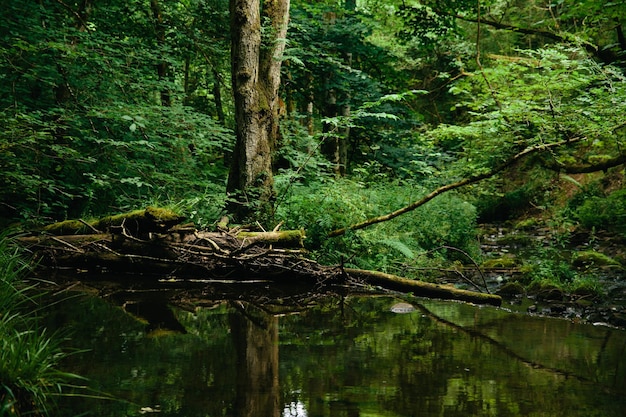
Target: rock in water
[(402, 308)]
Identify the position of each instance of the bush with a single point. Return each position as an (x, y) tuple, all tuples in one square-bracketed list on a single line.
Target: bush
[(445, 221), (606, 213)]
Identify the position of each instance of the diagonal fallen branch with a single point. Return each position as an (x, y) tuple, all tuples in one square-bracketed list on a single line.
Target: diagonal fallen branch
[(452, 186)]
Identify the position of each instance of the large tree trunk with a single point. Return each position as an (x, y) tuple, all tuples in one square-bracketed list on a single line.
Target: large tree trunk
[(255, 79), (255, 334)]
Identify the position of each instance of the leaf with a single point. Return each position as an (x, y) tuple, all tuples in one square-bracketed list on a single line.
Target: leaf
[(399, 246), (132, 127)]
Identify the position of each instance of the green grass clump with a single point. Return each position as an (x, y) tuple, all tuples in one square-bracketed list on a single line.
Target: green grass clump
[(443, 230), (546, 269), (592, 259), (29, 357)]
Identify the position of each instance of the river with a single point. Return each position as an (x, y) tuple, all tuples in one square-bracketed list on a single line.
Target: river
[(334, 355)]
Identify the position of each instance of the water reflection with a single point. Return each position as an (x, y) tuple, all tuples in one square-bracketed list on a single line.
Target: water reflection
[(346, 357), (255, 334)]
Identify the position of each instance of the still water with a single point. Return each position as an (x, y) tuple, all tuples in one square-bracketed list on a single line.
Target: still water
[(341, 356)]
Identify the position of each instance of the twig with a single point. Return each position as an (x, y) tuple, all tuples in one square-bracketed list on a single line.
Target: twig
[(90, 226), (475, 264), (74, 248)]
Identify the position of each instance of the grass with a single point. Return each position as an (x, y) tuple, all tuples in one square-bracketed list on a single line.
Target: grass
[(29, 357)]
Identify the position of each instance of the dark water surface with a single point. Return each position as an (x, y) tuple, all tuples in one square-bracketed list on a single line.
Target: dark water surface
[(343, 357)]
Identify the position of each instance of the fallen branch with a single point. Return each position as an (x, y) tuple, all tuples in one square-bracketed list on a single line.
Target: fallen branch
[(205, 257), (421, 288), (453, 186)]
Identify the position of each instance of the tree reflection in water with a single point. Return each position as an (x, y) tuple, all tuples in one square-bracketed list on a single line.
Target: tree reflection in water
[(345, 358), (255, 334)]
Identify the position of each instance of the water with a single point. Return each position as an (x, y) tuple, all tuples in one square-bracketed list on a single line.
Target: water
[(340, 356)]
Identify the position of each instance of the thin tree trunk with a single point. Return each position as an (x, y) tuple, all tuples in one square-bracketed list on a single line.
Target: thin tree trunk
[(162, 67), (337, 141), (217, 96)]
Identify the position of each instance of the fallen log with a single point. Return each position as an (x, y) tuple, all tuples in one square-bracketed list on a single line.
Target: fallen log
[(423, 289), (137, 222), (179, 252), (185, 256)]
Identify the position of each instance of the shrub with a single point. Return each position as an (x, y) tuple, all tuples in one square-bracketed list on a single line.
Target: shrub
[(606, 213), (445, 221)]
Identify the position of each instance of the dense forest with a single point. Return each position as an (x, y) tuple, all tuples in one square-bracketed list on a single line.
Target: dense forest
[(401, 135), (487, 111), (111, 106)]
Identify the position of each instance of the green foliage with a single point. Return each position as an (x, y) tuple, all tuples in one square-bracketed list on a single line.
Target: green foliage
[(539, 97), (82, 128), (430, 21), (549, 267), (604, 213), (415, 239), (29, 358), (88, 126)]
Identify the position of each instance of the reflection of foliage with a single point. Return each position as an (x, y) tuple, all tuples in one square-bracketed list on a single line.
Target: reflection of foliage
[(343, 354)]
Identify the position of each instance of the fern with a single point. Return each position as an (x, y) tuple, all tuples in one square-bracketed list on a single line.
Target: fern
[(399, 246)]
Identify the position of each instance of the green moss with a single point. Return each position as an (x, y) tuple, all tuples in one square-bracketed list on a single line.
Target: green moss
[(502, 262), (546, 290), (518, 239), (511, 289), (289, 238), (592, 259), (587, 288), (151, 219), (527, 224), (67, 227)]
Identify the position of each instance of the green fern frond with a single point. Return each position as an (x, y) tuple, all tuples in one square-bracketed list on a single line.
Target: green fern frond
[(399, 246)]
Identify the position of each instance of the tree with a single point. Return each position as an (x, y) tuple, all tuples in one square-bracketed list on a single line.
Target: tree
[(88, 124), (257, 45)]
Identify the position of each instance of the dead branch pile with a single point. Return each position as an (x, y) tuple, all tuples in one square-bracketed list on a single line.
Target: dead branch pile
[(185, 254)]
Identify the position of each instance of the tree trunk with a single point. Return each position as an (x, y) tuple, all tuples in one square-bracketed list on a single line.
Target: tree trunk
[(255, 335), (337, 138), (255, 78), (217, 96), (159, 28)]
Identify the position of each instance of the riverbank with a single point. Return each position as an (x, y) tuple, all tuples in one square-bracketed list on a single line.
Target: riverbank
[(30, 356), (556, 271)]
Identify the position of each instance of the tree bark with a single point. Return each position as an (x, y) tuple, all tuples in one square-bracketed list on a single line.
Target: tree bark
[(421, 288), (255, 79), (217, 96), (255, 334), (336, 143)]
